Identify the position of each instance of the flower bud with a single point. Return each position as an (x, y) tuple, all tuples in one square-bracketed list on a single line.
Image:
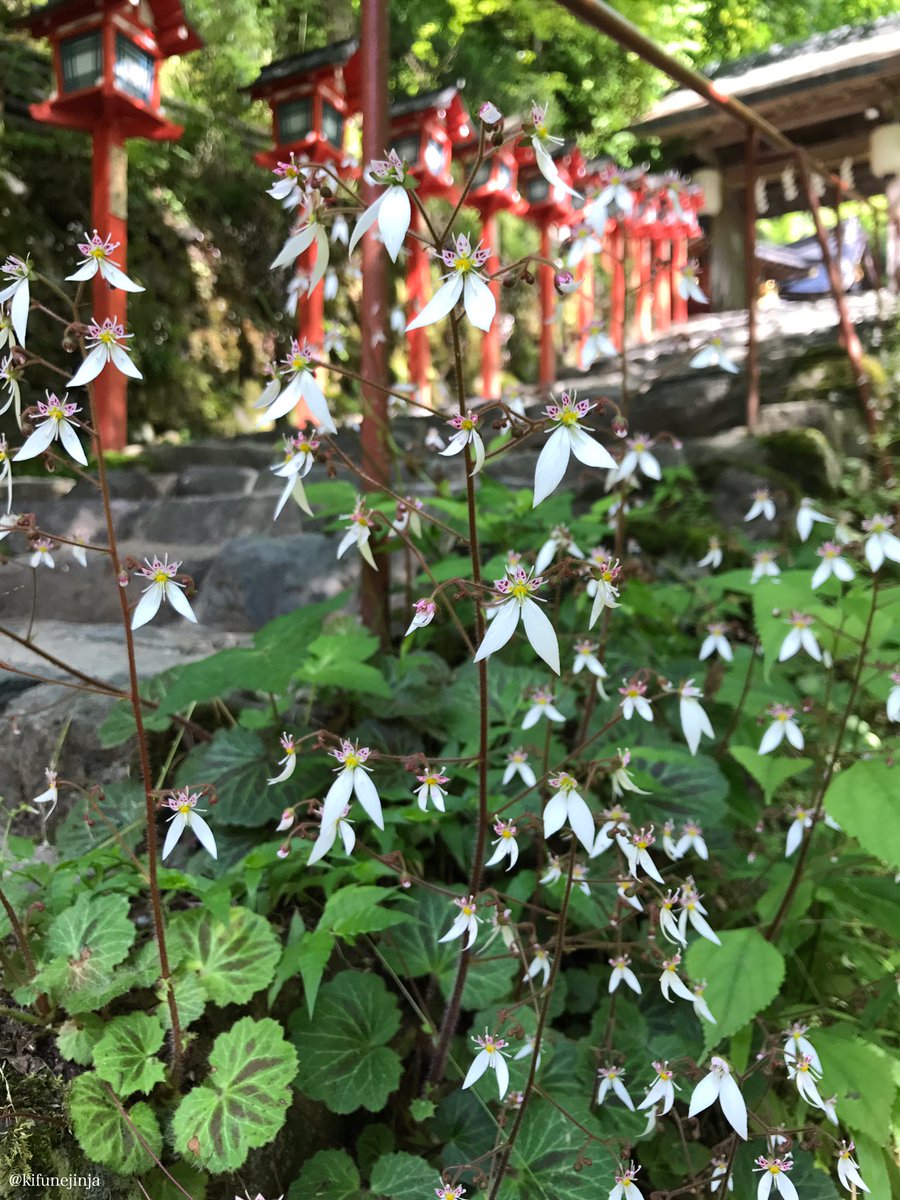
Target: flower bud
[(490, 114), (620, 427), (565, 283)]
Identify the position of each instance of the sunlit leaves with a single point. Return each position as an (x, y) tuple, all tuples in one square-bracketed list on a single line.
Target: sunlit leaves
[(744, 975)]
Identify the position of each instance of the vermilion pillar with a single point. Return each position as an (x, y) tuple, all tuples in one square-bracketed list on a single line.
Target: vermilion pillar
[(310, 321), (418, 278), (679, 262), (643, 299), (109, 214), (662, 287), (585, 301), (490, 343), (617, 287), (547, 365)]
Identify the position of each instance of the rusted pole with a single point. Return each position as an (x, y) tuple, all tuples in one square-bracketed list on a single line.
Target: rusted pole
[(751, 278), (374, 585)]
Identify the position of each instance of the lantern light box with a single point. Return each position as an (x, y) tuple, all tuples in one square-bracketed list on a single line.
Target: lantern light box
[(424, 132)]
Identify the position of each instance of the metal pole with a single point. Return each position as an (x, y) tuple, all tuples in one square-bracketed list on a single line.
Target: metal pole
[(750, 278), (374, 585)]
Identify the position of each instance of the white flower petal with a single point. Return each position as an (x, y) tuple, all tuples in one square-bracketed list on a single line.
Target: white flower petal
[(337, 798), (441, 303), (367, 795), (589, 451), (87, 271), (179, 601), (500, 630), (502, 1073), (122, 360), (394, 216), (540, 633), (551, 465), (733, 1106), (118, 279), (480, 1064), (479, 301), (204, 834), (90, 368), (37, 442), (176, 828), (18, 310), (69, 439), (705, 1093), (294, 246), (147, 606), (365, 222)]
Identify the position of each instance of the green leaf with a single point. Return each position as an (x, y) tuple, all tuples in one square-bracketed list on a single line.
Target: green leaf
[(811, 1182), (860, 1075), (125, 1055), (344, 1059), (744, 975), (84, 944), (238, 765), (122, 804), (694, 787), (541, 1162), (422, 1110), (103, 1132), (243, 1103), (769, 771), (862, 800), (78, 1036), (403, 1177), (234, 960), (158, 1184), (119, 725), (328, 1175), (357, 909), (190, 998), (413, 949), (313, 954)]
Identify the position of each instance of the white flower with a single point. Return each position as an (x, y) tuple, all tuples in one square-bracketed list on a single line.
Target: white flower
[(340, 231), (662, 1089), (713, 354), (96, 255), (513, 604), (423, 614), (466, 921), (42, 553), (539, 965), (597, 344), (10, 374), (107, 347), (639, 458), (611, 1079), (692, 839), (540, 140), (78, 552), (586, 659), (185, 816), (614, 190), (553, 873), (693, 911), (626, 1188), (893, 700), (716, 643), (622, 972), (615, 823), (620, 779), (669, 848), (805, 1075), (506, 844), (462, 281), (8, 522), (720, 1085), (800, 637), (832, 564), (625, 892), (783, 726), (713, 556), (358, 534), (670, 980), (328, 834), (701, 1008), (569, 805), (299, 456), (604, 588), (288, 817), (6, 473), (51, 795), (764, 564), (881, 543), (763, 505), (352, 780), (163, 586), (444, 1192), (7, 334), (801, 820), (848, 1169), (668, 922), (635, 701), (392, 210), (694, 721), (309, 230), (466, 435), (559, 541), (517, 764), (637, 853), (17, 293), (807, 516), (301, 385), (688, 285), (431, 788), (288, 763), (720, 1168), (798, 1043), (774, 1173), (290, 179), (542, 705), (580, 879), (490, 114), (489, 1057), (55, 424), (567, 437)]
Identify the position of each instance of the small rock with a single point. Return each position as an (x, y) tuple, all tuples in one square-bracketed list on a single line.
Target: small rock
[(201, 479)]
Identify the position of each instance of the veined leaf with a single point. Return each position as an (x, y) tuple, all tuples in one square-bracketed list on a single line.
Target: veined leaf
[(744, 976), (403, 1177), (104, 1133), (863, 801), (233, 960), (85, 943), (126, 1054), (328, 1175)]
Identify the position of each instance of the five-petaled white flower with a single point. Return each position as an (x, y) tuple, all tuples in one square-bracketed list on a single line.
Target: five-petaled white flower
[(559, 541), (288, 763), (720, 1169), (51, 794), (625, 892), (466, 921), (513, 603), (596, 344), (299, 456), (694, 720), (466, 434), (163, 586), (611, 1080), (637, 853), (586, 658), (662, 1089), (691, 839), (639, 458), (359, 532), (541, 138), (622, 972), (567, 437), (604, 588), (713, 556), (290, 179), (774, 1174), (505, 845), (541, 701), (352, 780), (783, 726), (620, 779), (716, 642), (96, 255), (688, 284), (517, 764), (328, 834), (848, 1169), (446, 1192), (832, 564), (463, 280), (431, 789), (881, 543), (55, 423), (17, 293), (714, 354), (42, 553), (634, 700), (423, 614), (720, 1085), (764, 565), (569, 805), (186, 816), (801, 820), (692, 911), (797, 1043), (301, 385), (539, 965), (626, 1188), (893, 700), (309, 230), (801, 637), (392, 210), (615, 191), (806, 517), (104, 345), (490, 1057), (668, 922), (805, 1075), (763, 506), (670, 980), (701, 1008)]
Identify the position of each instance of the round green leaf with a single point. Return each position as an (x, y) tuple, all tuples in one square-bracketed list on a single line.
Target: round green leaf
[(541, 1162), (233, 960), (863, 801), (328, 1175), (861, 1075), (243, 1103), (403, 1177), (744, 976), (125, 1055), (84, 944), (104, 1133), (344, 1059), (78, 1036)]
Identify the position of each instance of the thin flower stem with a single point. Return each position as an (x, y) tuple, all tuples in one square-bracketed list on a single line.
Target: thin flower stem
[(19, 934)]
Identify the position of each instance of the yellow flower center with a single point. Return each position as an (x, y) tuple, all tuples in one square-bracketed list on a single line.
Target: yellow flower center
[(184, 809), (569, 417), (55, 412), (351, 761), (507, 833), (107, 337), (97, 252), (520, 591), (160, 577)]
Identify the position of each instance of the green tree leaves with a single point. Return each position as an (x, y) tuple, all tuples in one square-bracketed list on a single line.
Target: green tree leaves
[(243, 1103), (744, 976), (85, 943), (863, 800), (108, 1132), (344, 1057)]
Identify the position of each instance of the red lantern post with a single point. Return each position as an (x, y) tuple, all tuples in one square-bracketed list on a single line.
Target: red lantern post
[(106, 58)]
